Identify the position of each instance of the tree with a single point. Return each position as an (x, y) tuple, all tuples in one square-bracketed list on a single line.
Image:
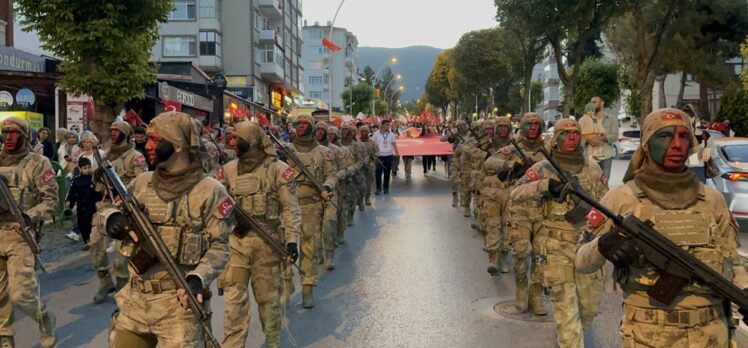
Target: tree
[(596, 78), (478, 57), (734, 107), (362, 94), (104, 47), (437, 84), (369, 75)]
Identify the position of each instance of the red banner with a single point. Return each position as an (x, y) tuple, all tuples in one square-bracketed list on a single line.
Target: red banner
[(426, 145), (330, 45), (171, 106)]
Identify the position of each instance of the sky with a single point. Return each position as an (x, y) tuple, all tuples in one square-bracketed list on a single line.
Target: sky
[(402, 23)]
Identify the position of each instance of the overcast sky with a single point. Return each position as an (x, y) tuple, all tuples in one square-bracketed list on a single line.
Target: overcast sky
[(401, 23)]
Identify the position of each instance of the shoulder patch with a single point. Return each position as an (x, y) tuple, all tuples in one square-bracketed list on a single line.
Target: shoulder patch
[(329, 155), (603, 179), (140, 160), (288, 173), (532, 174), (595, 217), (226, 207), (219, 173), (48, 176)]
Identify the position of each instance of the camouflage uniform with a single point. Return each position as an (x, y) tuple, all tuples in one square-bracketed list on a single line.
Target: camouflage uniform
[(486, 147), (465, 167), (369, 167), (359, 153), (268, 193), (31, 181), (128, 163), (454, 168), (525, 220), (331, 220), (195, 225), (344, 183), (699, 221), (319, 161), (575, 297)]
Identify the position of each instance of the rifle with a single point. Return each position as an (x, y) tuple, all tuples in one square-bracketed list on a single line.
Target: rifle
[(221, 156), (528, 163), (301, 166), (469, 121), (26, 234), (151, 243), (677, 267)]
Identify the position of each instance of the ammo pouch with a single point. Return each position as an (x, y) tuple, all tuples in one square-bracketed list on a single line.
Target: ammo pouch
[(186, 244)]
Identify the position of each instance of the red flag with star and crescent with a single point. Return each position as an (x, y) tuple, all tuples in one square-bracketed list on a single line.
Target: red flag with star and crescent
[(330, 45)]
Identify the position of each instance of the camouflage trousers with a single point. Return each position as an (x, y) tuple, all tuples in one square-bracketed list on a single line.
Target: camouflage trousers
[(252, 262), (99, 244), (147, 319), (330, 226), (524, 263), (311, 231), (466, 187), (644, 327), (454, 177), (492, 223), (19, 285), (369, 179)]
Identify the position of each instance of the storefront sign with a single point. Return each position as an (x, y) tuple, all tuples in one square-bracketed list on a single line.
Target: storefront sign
[(17, 60), (25, 97), (277, 99), (6, 99), (244, 92), (75, 115), (183, 97)]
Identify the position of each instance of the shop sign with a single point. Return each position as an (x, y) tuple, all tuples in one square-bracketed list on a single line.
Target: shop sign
[(276, 99), (17, 60), (25, 97), (183, 97), (6, 99), (244, 92)]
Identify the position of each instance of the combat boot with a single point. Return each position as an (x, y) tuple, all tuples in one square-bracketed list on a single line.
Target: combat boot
[(521, 294), (492, 260), (455, 199), (466, 213), (7, 342), (121, 282), (504, 261), (536, 300), (329, 264), (307, 297), (106, 287), (367, 200), (361, 204)]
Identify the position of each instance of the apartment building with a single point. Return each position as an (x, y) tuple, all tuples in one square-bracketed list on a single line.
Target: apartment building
[(317, 63), (6, 23)]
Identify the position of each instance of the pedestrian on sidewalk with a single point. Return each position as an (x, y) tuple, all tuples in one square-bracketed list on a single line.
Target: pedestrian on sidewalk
[(83, 194), (386, 141)]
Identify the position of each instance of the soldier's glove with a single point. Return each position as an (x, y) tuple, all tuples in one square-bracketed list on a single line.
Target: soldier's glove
[(117, 226), (555, 187), (26, 219), (618, 249), (293, 250), (195, 284), (518, 170)]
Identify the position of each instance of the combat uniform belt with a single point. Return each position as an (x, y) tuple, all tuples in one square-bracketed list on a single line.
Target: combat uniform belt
[(155, 286), (310, 200), (682, 319), (566, 236)]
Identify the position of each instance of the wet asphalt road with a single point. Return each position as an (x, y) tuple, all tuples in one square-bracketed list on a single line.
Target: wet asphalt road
[(411, 274)]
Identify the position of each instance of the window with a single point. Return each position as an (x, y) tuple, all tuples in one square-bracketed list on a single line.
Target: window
[(210, 8), (315, 34), (180, 46), (315, 80), (315, 95), (184, 10), (260, 22), (258, 55), (690, 77), (210, 43)]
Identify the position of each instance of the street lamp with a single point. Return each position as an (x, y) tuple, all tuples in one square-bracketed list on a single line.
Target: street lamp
[(401, 88), (329, 73), (386, 88), (392, 61)]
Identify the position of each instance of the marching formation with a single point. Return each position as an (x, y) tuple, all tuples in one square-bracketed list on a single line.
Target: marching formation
[(545, 202), (241, 222)]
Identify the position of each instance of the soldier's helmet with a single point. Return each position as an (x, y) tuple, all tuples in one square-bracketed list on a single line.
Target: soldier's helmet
[(252, 133), (179, 129), (564, 125), (19, 124)]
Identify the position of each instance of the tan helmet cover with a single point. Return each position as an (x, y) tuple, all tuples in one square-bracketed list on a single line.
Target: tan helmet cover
[(19, 124), (176, 128), (252, 133)]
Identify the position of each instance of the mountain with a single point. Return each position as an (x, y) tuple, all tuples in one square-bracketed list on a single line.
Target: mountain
[(414, 63)]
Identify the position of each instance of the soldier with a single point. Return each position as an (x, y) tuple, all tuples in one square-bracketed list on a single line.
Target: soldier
[(347, 188), (331, 220), (574, 296), (128, 163), (31, 181), (455, 139), (525, 217), (319, 161), (465, 168), (372, 149), (193, 215), (264, 187), (659, 188), (358, 150), (487, 145), (495, 195)]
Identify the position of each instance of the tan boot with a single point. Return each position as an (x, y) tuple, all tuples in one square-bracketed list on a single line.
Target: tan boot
[(504, 261), (329, 255), (106, 287), (466, 213), (520, 297), (455, 199), (492, 261), (307, 296), (536, 300), (7, 342)]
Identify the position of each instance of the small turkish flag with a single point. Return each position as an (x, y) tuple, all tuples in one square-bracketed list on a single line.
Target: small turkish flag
[(595, 217), (171, 106), (330, 45)]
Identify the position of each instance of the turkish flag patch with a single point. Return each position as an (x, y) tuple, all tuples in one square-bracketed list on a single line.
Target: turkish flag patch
[(140, 160), (671, 117), (532, 174), (219, 174), (603, 179), (504, 151), (595, 217), (226, 207), (48, 176), (288, 173), (328, 155)]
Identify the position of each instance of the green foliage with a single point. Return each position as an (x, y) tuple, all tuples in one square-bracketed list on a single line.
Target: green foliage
[(478, 56), (369, 74), (734, 107), (596, 78), (438, 89), (381, 107), (631, 94), (362, 94), (104, 45)]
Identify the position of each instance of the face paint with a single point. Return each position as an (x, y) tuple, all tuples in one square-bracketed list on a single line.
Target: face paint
[(346, 133), (331, 137), (164, 150), (242, 146), (489, 132), (303, 129), (117, 136), (503, 131), (533, 129), (233, 142), (669, 147), (153, 147), (568, 141), (321, 134), (12, 139)]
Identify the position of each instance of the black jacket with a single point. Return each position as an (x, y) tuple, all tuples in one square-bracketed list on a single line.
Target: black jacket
[(83, 194)]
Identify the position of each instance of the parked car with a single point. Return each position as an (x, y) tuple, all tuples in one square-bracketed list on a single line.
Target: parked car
[(627, 143), (729, 173)]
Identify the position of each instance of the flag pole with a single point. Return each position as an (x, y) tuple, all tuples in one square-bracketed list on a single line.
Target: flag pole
[(329, 66)]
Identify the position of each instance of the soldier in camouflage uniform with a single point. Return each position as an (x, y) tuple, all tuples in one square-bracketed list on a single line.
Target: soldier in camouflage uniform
[(128, 163), (31, 181), (372, 150), (345, 187), (332, 221), (488, 144), (574, 296), (265, 188), (193, 214), (659, 188), (454, 171), (494, 192), (465, 169), (319, 161), (348, 139), (525, 217)]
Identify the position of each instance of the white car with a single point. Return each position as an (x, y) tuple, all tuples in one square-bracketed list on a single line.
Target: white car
[(627, 143)]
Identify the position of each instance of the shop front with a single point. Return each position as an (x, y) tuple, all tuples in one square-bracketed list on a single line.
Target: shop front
[(27, 86)]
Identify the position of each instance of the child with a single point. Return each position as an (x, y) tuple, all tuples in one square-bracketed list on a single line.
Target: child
[(83, 194)]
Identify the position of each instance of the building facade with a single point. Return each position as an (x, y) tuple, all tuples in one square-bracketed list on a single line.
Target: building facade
[(551, 88), (255, 44), (316, 61), (6, 23)]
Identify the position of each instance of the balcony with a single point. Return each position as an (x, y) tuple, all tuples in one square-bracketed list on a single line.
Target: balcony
[(271, 35), (273, 9), (272, 72), (349, 61)]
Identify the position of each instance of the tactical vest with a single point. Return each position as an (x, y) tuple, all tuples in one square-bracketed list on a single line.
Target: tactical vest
[(306, 188), (21, 182), (694, 229), (554, 210), (182, 233), (124, 167), (253, 192)]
